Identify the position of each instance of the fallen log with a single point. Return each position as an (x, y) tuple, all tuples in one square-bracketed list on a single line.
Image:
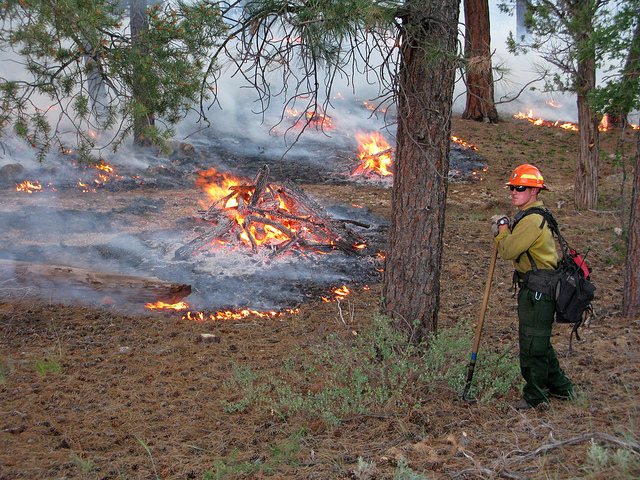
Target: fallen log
[(73, 281)]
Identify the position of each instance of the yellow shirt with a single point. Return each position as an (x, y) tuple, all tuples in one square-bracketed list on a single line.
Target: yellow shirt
[(527, 235)]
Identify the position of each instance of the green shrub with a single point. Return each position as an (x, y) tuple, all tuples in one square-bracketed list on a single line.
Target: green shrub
[(376, 370)]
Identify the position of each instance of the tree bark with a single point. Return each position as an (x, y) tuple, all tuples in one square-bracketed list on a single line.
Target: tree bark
[(588, 161), (631, 293), (411, 279), (477, 49)]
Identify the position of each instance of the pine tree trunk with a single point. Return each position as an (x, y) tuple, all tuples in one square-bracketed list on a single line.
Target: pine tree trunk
[(477, 49), (631, 294), (411, 279), (586, 179), (139, 26)]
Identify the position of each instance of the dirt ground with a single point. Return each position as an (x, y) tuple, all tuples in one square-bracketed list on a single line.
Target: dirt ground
[(143, 396)]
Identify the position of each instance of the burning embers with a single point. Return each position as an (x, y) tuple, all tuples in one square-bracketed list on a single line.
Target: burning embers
[(263, 215)]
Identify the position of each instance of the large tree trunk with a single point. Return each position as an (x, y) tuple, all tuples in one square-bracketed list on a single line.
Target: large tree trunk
[(411, 279), (631, 295), (586, 180), (477, 50), (139, 27)]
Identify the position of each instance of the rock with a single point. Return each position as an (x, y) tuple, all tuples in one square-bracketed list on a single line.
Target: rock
[(11, 171)]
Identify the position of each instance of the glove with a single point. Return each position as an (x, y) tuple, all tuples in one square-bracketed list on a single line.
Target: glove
[(498, 220)]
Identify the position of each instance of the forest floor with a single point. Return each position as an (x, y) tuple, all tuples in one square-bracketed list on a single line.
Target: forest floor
[(99, 392)]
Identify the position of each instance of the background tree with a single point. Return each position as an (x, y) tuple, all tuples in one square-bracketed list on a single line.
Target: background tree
[(413, 61), (64, 49), (621, 94), (479, 71), (631, 292), (563, 34), (145, 120)]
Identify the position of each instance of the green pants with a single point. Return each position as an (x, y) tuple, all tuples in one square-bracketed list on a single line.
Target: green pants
[(538, 361)]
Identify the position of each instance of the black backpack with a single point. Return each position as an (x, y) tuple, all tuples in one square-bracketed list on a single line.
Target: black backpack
[(570, 284)]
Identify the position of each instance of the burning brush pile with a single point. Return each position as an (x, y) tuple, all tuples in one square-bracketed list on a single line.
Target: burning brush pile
[(259, 214)]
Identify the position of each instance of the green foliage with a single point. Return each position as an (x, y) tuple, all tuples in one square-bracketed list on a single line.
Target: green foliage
[(86, 466), (567, 33), (621, 92), (6, 367), (278, 454), (404, 472), (48, 366), (625, 462), (379, 370), (81, 66)]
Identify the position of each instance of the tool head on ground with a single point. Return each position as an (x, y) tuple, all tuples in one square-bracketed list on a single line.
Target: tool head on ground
[(476, 343), (527, 175), (466, 396)]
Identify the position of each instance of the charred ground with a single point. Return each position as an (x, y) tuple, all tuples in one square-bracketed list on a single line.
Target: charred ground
[(142, 396)]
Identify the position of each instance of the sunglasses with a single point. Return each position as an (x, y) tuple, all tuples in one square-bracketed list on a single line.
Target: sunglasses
[(517, 188)]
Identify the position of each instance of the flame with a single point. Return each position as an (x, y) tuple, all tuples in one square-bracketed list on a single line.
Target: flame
[(277, 222), (315, 118), (375, 153), (373, 107), (218, 185), (234, 315), (167, 306), (539, 121), (463, 143), (340, 292), (99, 175), (28, 186)]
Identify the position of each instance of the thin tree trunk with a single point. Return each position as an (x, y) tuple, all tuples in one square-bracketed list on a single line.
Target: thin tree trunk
[(139, 26), (411, 280), (477, 49), (586, 180), (629, 77), (631, 293)]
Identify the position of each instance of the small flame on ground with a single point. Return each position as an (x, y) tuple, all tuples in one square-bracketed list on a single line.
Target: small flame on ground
[(317, 119), (463, 143), (339, 293), (605, 124), (237, 315), (104, 174), (167, 306), (28, 186)]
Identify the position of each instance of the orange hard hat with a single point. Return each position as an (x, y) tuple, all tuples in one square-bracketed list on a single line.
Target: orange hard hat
[(527, 175)]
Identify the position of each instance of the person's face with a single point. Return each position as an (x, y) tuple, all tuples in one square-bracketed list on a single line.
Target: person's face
[(524, 198)]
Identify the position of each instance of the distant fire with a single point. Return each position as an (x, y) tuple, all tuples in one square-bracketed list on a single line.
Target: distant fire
[(92, 177), (31, 187), (605, 124), (375, 153), (316, 119), (539, 121)]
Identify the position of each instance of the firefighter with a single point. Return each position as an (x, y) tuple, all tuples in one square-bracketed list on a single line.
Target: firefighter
[(531, 238)]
